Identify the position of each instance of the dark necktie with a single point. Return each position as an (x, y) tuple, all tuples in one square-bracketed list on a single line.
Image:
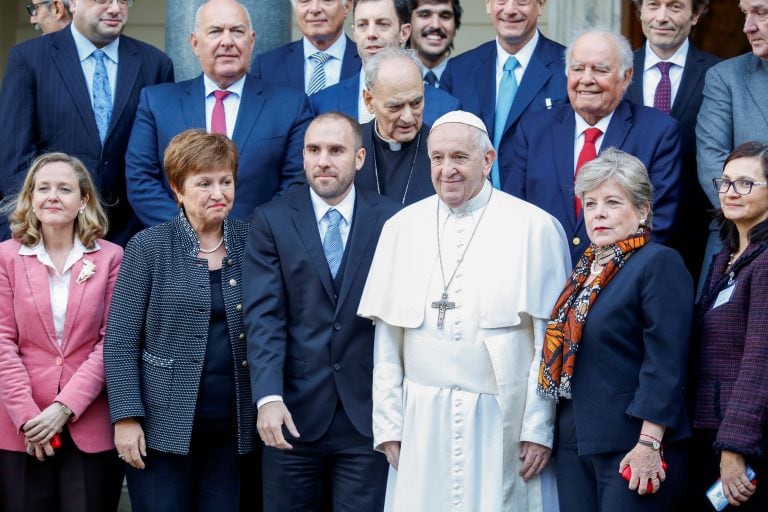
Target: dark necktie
[(662, 99), (218, 118), (430, 78), (588, 152)]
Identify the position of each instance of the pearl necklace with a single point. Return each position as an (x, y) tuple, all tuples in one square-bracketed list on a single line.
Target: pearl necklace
[(209, 251)]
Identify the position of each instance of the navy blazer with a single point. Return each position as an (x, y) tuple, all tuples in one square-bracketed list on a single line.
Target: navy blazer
[(345, 96), (269, 134), (154, 349), (540, 163), (305, 342), (284, 66), (471, 77), (420, 185), (692, 226), (45, 98), (632, 359)]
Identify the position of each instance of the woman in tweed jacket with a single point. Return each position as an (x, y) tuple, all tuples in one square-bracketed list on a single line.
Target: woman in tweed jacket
[(175, 352), (731, 375)]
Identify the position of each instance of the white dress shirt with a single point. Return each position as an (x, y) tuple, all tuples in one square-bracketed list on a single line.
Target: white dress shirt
[(332, 66), (363, 116), (523, 57), (581, 127), (652, 75), (85, 50), (231, 103)]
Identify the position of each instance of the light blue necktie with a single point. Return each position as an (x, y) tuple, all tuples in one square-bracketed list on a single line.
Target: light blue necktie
[(102, 95), (332, 245), (317, 80), (507, 90)]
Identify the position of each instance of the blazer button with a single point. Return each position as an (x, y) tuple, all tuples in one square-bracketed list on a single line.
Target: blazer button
[(230, 262), (336, 366), (239, 307), (59, 361), (576, 240), (233, 282), (244, 364), (242, 336), (336, 326)]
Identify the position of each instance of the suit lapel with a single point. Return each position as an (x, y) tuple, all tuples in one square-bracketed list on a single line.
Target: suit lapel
[(74, 299), (757, 82), (359, 239), (193, 104), (486, 89), (294, 64), (366, 176), (563, 131), (692, 73), (351, 63), (306, 226), (635, 91), (37, 277), (251, 105), (348, 102), (67, 62), (618, 128), (127, 70)]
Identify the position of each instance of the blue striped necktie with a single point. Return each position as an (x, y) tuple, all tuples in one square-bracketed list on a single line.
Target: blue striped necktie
[(317, 80), (332, 244), (102, 95), (507, 90)]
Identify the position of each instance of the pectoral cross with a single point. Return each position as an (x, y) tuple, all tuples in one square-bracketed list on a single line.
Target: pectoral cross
[(442, 306)]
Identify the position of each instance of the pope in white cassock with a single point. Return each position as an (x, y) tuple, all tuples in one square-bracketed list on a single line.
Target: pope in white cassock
[(460, 290)]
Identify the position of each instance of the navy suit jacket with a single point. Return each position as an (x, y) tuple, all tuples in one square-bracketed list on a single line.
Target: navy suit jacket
[(285, 65), (540, 163), (305, 341), (345, 96), (693, 220), (48, 108), (471, 77), (269, 134), (631, 364)]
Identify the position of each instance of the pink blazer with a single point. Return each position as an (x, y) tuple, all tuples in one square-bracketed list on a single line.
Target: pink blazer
[(34, 370)]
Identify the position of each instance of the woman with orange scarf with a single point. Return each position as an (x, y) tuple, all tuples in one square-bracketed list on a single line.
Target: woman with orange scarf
[(615, 352)]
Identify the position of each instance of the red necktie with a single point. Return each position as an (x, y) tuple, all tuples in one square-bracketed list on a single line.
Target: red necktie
[(588, 152), (662, 99), (218, 119)]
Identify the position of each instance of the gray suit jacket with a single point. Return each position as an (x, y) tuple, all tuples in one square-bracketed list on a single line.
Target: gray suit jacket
[(734, 111)]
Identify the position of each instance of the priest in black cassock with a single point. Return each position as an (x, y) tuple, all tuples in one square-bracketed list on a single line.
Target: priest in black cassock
[(396, 163)]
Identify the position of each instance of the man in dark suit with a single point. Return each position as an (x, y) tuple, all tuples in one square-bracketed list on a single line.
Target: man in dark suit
[(378, 24), (670, 77), (549, 147), (434, 24), (61, 93), (499, 81), (319, 59), (266, 122), (310, 355)]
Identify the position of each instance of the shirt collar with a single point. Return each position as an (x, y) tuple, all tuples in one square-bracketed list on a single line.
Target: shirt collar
[(336, 50), (85, 47), (475, 203), (437, 70), (346, 207), (236, 88), (678, 58), (77, 252), (582, 125), (523, 55)]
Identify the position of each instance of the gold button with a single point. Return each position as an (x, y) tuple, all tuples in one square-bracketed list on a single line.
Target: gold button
[(242, 336), (576, 240), (239, 307), (233, 282), (244, 364)]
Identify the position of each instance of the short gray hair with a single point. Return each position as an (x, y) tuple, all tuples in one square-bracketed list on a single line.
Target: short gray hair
[(197, 17), (385, 54), (628, 171), (623, 48)]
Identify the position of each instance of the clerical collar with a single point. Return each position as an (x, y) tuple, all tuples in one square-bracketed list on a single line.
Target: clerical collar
[(475, 203), (392, 145)]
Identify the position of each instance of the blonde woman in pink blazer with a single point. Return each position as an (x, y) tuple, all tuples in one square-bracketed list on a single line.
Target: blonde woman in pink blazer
[(56, 281)]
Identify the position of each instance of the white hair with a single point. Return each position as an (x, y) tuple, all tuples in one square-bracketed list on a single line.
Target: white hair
[(620, 42), (197, 17), (385, 54)]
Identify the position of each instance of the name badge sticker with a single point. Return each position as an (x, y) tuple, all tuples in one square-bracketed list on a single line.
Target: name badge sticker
[(724, 296)]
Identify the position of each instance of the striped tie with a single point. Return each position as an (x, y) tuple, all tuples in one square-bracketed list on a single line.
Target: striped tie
[(317, 80), (332, 244)]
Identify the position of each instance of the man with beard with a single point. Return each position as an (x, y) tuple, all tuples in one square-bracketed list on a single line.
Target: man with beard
[(433, 27), (310, 356)]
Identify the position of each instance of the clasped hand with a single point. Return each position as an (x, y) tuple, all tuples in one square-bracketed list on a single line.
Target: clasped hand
[(39, 431)]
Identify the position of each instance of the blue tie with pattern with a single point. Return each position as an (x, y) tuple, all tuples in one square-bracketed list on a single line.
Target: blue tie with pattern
[(317, 80), (332, 245), (102, 95), (507, 90)]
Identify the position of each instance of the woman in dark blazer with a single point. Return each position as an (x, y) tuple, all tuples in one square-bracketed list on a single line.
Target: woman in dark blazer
[(616, 350), (730, 374), (56, 280), (175, 351)]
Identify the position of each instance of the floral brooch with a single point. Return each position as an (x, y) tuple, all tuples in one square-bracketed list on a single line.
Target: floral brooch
[(89, 268)]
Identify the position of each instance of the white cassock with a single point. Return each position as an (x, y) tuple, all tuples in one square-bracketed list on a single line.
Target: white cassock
[(461, 398)]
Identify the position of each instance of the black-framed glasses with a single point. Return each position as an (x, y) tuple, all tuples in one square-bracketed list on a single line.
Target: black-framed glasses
[(32, 8), (741, 187), (129, 3)]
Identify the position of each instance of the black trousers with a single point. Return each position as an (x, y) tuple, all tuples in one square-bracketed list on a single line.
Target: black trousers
[(212, 477), (339, 472), (70, 481)]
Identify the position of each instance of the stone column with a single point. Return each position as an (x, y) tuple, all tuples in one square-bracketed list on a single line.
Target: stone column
[(562, 19), (271, 20)]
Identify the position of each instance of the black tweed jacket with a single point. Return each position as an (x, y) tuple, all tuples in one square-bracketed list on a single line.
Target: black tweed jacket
[(156, 338)]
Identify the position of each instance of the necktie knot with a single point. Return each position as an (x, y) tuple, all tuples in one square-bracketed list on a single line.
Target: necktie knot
[(664, 67), (511, 64), (591, 135), (320, 58), (430, 78), (99, 55), (220, 95), (334, 217)]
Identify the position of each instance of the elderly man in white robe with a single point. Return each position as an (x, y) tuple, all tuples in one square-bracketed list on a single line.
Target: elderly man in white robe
[(460, 289)]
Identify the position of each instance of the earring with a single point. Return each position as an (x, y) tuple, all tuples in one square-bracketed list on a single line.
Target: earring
[(81, 210)]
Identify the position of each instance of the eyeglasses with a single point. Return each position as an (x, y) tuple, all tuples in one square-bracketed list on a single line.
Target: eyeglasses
[(741, 187), (129, 3), (32, 8)]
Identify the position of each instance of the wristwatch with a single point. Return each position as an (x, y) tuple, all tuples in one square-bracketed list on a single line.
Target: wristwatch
[(654, 444)]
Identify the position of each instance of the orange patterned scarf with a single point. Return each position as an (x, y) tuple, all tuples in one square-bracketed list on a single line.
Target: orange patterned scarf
[(566, 322)]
